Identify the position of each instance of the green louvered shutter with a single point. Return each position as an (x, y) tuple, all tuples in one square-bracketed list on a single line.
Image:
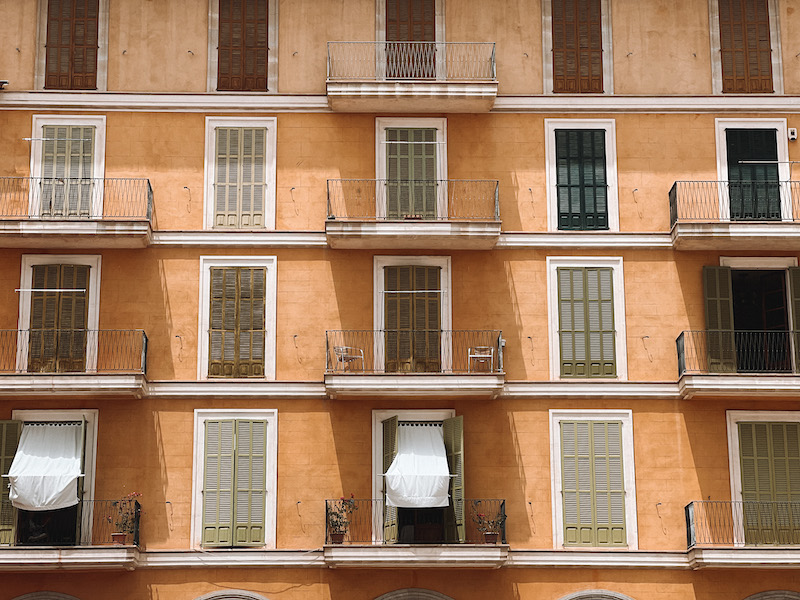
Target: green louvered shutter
[(454, 447), (397, 317), (240, 177), (9, 438), (250, 482), (794, 300), (411, 186), (67, 171), (389, 452), (218, 483), (753, 187), (581, 180), (718, 295), (427, 317)]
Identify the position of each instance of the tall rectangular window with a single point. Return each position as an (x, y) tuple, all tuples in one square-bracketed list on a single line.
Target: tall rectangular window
[(581, 182), (753, 180), (411, 185), (745, 46), (240, 177), (71, 44), (67, 170), (243, 45), (577, 46)]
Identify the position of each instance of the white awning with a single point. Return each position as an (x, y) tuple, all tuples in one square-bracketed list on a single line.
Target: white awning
[(418, 476), (44, 473)]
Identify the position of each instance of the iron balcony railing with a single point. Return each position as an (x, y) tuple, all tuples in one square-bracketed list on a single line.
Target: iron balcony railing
[(65, 198), (414, 200), (727, 351), (363, 522), (421, 351), (392, 61), (734, 201), (73, 351), (712, 523)]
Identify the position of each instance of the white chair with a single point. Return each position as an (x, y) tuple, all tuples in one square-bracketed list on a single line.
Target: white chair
[(346, 355), (480, 355)]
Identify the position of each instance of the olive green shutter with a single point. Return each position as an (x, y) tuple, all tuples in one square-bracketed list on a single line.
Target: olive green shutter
[(454, 447), (753, 185), (577, 46), (593, 494), (389, 452), (581, 182), (67, 171), (745, 46), (397, 317), (718, 295), (9, 438), (427, 317), (411, 173), (240, 177), (218, 483), (250, 482), (794, 300)]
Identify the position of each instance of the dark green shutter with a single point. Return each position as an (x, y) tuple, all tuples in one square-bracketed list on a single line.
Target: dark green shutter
[(389, 452), (411, 186), (67, 170), (9, 439), (745, 46), (581, 181), (753, 187), (240, 177), (718, 295), (453, 431), (577, 46), (794, 300)]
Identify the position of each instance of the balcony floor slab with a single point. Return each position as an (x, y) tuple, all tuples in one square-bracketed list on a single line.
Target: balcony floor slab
[(745, 558), (73, 384), (79, 558), (411, 97), (436, 235), (775, 387), (757, 235), (488, 556), (26, 233), (478, 386)]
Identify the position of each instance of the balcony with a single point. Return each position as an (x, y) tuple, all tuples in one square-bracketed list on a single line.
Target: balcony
[(451, 214), (744, 533), (416, 538), (39, 212), (738, 363), (78, 537), (414, 77), (409, 364), (736, 215), (73, 362)]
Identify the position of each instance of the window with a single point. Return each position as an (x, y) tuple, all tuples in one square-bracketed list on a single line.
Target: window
[(240, 173), (243, 45), (237, 319), (65, 526), (576, 35), (235, 477), (593, 479), (745, 46), (587, 314), (410, 30), (581, 175)]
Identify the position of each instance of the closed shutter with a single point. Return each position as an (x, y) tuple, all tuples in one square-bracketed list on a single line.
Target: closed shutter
[(243, 50), (9, 438), (67, 171), (581, 182), (794, 301), (71, 46), (593, 493), (237, 329), (586, 322), (240, 177), (753, 185), (577, 46), (389, 452), (453, 431), (218, 483), (411, 21), (718, 295), (411, 187), (745, 46), (251, 482)]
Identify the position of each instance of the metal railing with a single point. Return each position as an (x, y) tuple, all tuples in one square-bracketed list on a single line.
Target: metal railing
[(364, 523), (414, 200), (64, 198), (422, 351), (437, 61), (73, 351), (734, 201), (727, 351), (712, 523)]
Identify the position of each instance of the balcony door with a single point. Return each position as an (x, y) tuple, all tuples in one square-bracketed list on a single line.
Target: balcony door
[(411, 184), (410, 39), (67, 185), (753, 180)]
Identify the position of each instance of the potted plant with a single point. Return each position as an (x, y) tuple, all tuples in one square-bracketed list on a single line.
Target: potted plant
[(339, 512), (488, 523), (125, 520)]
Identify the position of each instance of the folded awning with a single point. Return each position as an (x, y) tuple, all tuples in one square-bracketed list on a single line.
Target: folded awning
[(45, 470), (418, 476)]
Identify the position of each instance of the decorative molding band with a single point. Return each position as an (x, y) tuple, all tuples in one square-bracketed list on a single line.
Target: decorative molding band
[(565, 104), (243, 389), (589, 389), (171, 559), (270, 239), (623, 559), (565, 239)]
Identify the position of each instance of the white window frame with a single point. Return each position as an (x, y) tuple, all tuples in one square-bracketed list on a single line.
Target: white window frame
[(89, 416), (378, 322), (440, 124), (620, 337), (210, 160), (93, 261), (270, 415), (102, 47), (716, 47), (439, 35), (628, 471), (213, 48), (784, 167), (270, 263), (98, 159), (609, 125), (547, 48)]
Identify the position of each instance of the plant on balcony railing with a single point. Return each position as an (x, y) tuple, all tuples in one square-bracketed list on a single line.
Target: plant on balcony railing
[(490, 520), (126, 520), (338, 517)]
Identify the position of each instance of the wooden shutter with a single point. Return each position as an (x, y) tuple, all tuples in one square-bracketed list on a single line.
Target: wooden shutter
[(250, 482), (237, 329), (745, 46), (389, 452), (753, 187), (411, 187), (577, 46), (240, 177), (718, 295), (67, 171), (243, 45), (218, 483), (398, 317), (410, 20), (9, 439), (71, 46), (581, 182), (454, 446)]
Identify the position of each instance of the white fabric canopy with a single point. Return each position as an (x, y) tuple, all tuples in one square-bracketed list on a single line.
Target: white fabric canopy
[(44, 473), (418, 476)]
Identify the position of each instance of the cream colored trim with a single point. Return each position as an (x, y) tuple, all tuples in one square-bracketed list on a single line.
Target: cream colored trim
[(628, 468), (582, 239), (758, 262), (270, 415), (240, 239)]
